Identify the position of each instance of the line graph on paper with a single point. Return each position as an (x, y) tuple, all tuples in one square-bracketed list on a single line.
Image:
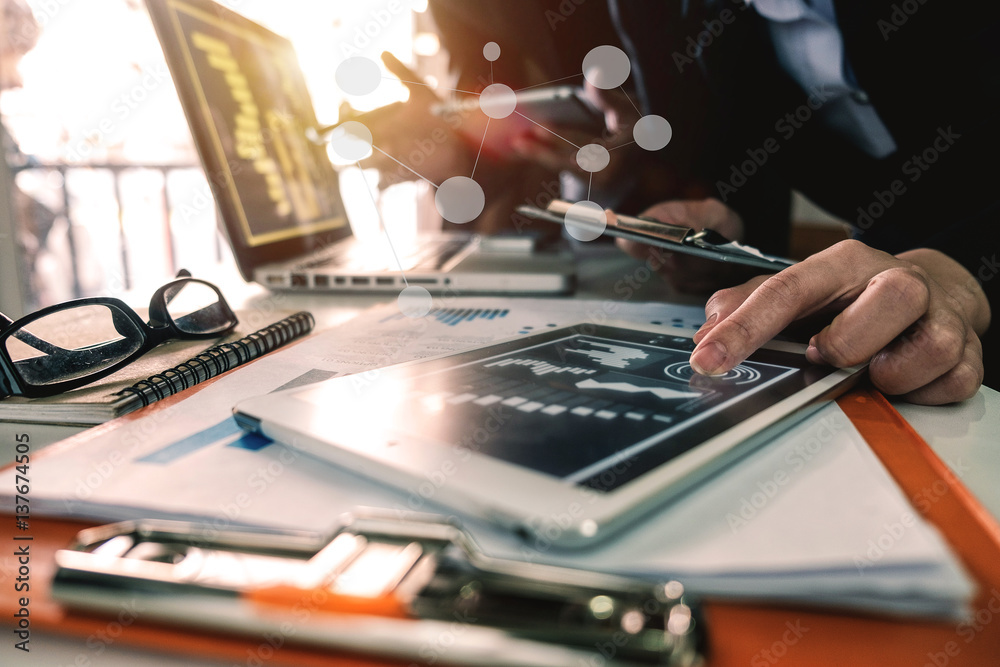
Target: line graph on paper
[(455, 316)]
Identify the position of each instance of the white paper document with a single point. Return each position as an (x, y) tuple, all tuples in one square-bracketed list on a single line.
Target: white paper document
[(812, 517)]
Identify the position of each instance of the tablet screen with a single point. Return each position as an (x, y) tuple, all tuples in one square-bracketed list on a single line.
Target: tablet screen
[(591, 405)]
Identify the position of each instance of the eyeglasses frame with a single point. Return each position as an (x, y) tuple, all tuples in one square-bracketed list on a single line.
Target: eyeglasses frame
[(159, 329)]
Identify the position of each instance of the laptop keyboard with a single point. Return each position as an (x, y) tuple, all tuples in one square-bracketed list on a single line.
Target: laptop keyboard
[(434, 255), (427, 254)]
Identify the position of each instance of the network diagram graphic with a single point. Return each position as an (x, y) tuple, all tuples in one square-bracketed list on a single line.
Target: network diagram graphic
[(461, 199)]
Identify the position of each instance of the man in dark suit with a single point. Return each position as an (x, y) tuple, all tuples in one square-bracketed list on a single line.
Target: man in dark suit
[(541, 42), (881, 112)]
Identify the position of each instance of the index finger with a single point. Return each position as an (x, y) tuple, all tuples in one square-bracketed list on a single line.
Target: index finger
[(795, 292)]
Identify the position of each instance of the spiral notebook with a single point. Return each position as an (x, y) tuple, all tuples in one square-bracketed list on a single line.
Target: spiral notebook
[(166, 370)]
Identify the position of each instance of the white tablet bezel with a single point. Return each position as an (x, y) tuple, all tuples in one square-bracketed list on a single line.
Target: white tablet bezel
[(545, 510)]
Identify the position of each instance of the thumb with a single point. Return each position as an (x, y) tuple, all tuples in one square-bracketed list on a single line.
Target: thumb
[(618, 113), (418, 89)]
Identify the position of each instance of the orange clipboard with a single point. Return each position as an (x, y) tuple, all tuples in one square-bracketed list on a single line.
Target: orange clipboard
[(739, 634)]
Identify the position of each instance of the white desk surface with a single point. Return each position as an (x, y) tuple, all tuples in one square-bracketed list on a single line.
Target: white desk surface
[(966, 436)]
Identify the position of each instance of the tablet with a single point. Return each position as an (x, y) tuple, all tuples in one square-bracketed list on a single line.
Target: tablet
[(564, 436)]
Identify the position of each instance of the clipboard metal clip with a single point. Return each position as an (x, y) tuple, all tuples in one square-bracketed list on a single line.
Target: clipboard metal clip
[(409, 574), (706, 243)]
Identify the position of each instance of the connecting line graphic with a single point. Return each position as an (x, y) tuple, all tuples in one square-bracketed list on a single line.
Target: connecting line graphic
[(622, 88), (412, 171), (536, 85), (481, 143), (428, 85), (547, 129), (454, 90), (381, 222), (460, 199)]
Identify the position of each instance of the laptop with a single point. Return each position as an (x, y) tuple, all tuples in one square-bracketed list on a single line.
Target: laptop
[(251, 117)]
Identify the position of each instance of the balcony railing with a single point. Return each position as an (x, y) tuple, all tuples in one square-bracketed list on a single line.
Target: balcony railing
[(105, 228)]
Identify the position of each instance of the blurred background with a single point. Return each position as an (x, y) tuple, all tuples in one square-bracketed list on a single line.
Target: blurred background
[(101, 191), (109, 193)]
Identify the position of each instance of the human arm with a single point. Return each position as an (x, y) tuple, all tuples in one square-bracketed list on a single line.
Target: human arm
[(556, 145), (916, 317), (424, 138), (412, 140)]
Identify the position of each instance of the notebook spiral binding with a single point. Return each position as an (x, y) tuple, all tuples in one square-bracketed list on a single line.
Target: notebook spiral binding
[(219, 359)]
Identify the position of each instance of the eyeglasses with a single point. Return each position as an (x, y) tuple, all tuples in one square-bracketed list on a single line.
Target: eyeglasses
[(71, 344)]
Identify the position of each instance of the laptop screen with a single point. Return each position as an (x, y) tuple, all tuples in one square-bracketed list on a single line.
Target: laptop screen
[(248, 107)]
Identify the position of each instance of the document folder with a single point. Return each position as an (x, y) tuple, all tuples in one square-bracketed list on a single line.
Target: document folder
[(737, 634)]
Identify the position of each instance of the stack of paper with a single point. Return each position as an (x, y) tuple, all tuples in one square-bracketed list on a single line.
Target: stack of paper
[(813, 517)]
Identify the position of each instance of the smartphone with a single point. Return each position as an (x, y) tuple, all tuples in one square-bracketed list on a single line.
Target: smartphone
[(550, 106), (561, 106)]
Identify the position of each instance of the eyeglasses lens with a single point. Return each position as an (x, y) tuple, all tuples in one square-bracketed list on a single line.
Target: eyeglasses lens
[(72, 343), (196, 309)]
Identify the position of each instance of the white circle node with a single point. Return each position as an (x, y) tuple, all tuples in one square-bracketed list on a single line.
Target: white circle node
[(351, 141), (593, 157), (460, 199), (585, 220), (414, 301), (606, 67), (491, 51), (497, 101), (652, 132), (358, 75)]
